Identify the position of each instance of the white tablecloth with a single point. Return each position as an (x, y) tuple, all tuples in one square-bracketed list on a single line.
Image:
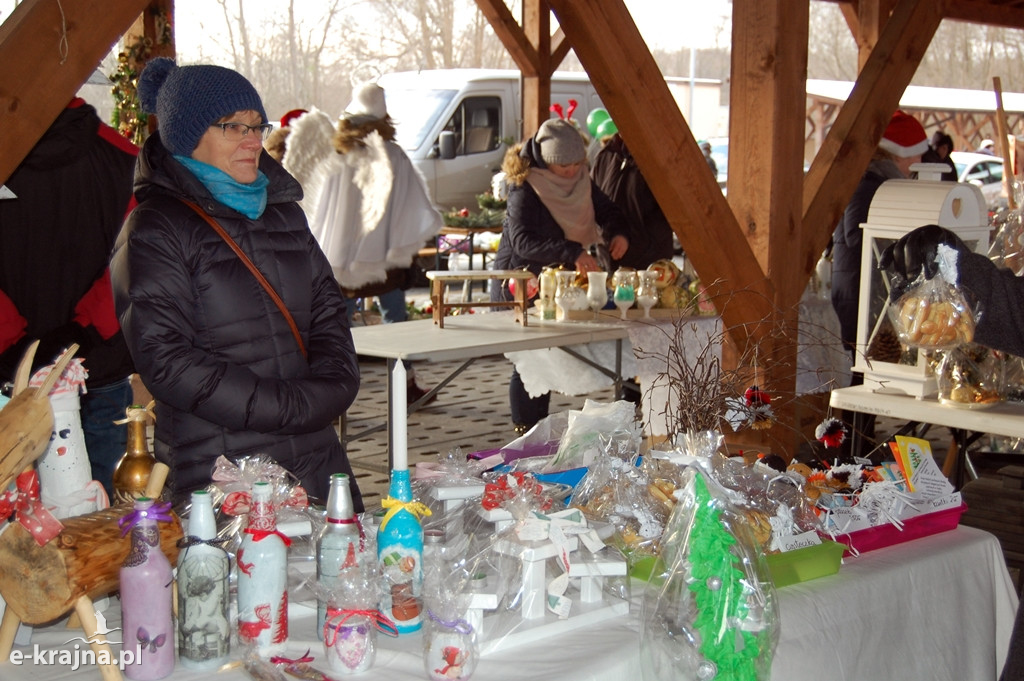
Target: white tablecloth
[(822, 364), (939, 608)]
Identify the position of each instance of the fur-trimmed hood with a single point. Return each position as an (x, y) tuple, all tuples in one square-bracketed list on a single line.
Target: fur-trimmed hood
[(515, 166)]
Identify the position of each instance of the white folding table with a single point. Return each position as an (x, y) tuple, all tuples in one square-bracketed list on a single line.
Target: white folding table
[(469, 337)]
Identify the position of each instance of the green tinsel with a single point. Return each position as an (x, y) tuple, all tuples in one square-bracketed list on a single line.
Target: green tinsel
[(733, 650)]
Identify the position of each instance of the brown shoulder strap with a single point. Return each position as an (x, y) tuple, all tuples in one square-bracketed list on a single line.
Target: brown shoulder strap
[(255, 272)]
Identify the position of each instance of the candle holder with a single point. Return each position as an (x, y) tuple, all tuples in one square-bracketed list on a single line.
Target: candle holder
[(624, 283)]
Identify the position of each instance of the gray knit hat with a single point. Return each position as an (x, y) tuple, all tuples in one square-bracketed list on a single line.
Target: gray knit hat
[(560, 143), (187, 100)]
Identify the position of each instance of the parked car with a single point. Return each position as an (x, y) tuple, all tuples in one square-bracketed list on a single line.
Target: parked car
[(985, 172)]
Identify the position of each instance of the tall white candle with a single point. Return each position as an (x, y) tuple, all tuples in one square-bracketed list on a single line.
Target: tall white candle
[(399, 419)]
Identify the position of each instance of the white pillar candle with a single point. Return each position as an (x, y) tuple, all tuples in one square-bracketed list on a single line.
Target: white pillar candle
[(399, 419)]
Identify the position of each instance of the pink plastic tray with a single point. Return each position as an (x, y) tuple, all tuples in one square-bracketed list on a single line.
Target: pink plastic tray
[(914, 528)]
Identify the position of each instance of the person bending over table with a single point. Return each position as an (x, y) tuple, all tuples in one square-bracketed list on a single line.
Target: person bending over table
[(554, 215), (934, 250), (231, 372)]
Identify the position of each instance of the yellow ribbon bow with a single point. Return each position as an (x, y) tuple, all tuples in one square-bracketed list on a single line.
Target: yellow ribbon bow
[(393, 506)]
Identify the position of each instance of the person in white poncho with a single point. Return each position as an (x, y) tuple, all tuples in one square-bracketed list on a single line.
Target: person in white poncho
[(366, 204)]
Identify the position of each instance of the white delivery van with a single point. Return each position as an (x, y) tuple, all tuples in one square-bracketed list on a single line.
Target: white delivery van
[(454, 124)]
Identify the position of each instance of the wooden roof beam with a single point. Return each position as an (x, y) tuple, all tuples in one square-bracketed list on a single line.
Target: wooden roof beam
[(46, 56), (511, 35), (638, 99), (860, 124), (766, 131)]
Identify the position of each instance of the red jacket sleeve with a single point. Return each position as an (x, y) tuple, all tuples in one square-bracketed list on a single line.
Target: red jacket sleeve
[(96, 308), (12, 324)]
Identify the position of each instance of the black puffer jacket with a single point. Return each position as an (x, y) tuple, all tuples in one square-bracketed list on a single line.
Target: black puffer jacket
[(210, 344), (530, 235)]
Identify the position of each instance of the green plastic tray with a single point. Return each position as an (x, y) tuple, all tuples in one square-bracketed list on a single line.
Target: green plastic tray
[(801, 565)]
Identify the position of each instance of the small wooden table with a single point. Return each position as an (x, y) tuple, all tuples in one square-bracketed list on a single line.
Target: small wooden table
[(439, 280)]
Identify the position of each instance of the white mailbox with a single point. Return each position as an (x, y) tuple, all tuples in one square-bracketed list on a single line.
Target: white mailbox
[(900, 206)]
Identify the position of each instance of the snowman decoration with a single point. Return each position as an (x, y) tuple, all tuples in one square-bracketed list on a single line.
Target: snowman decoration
[(65, 474)]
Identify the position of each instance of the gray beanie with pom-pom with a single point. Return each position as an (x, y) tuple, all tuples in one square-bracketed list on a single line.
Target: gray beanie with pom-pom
[(187, 100)]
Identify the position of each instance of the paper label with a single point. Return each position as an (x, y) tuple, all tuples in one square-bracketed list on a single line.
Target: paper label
[(557, 602), (849, 519), (929, 482), (532, 529), (799, 541)]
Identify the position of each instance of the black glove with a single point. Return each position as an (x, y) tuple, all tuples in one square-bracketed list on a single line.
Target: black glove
[(917, 252)]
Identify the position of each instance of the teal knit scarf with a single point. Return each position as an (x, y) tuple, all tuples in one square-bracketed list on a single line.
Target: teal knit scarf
[(248, 199)]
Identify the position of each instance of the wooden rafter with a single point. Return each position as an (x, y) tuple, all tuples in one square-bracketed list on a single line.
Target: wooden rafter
[(47, 53), (849, 145), (601, 31), (511, 35)]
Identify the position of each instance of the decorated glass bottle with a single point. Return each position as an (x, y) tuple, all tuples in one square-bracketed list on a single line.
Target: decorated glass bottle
[(400, 558), (145, 581), (204, 634), (132, 471), (339, 544), (262, 562)]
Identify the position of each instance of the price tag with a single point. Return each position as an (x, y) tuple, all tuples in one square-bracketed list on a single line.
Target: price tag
[(799, 541)]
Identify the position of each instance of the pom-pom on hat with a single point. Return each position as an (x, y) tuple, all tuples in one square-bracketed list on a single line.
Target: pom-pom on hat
[(904, 136), (187, 100), (560, 143), (367, 105)]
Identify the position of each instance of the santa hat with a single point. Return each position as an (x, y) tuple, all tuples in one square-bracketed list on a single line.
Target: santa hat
[(367, 105), (291, 116), (904, 136)]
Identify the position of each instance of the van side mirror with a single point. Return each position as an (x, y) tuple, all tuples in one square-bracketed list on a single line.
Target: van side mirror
[(446, 145)]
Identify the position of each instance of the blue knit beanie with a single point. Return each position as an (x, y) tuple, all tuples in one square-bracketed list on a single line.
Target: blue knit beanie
[(187, 100)]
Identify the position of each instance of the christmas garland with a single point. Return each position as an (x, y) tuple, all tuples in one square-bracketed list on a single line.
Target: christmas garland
[(128, 118), (730, 653)]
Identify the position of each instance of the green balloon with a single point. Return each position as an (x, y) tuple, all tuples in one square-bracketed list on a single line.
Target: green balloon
[(595, 118), (607, 128)]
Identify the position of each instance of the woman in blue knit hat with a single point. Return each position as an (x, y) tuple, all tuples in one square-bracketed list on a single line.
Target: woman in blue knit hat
[(233, 371)]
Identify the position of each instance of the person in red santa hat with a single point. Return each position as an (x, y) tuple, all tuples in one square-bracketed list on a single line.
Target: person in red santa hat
[(277, 142), (901, 146)]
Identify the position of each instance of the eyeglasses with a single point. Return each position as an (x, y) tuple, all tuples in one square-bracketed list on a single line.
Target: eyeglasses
[(236, 132)]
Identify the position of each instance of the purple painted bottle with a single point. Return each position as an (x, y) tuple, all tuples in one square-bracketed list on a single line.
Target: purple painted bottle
[(148, 627), (262, 561)]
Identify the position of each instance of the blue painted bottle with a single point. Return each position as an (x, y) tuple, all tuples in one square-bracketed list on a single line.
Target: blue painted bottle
[(400, 557)]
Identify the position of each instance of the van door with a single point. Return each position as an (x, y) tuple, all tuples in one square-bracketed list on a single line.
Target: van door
[(476, 125)]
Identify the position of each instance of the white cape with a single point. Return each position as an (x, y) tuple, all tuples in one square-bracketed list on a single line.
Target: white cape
[(368, 209)]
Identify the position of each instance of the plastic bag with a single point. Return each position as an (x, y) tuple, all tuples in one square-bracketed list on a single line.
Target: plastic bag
[(934, 315), (599, 427), (710, 613)]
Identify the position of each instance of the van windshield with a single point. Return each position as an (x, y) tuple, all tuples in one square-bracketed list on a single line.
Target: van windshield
[(415, 112)]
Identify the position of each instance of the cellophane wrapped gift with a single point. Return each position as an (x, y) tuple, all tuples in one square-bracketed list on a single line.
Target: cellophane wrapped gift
[(517, 513), (450, 640), (933, 314), (231, 492), (710, 613), (353, 619), (597, 428), (774, 503), (617, 491)]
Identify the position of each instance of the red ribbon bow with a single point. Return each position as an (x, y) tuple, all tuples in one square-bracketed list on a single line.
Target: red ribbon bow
[(260, 535), (32, 514), (333, 628)]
